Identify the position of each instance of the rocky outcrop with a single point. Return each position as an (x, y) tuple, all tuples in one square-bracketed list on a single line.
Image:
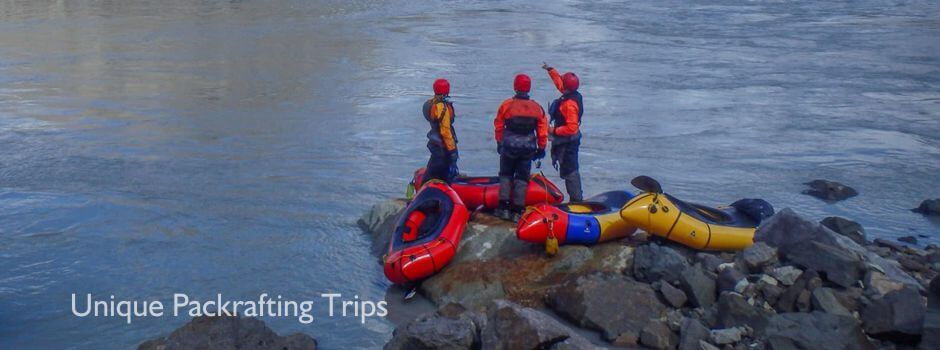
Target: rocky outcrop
[(801, 285), (928, 207), (829, 190), (845, 227), (224, 333)]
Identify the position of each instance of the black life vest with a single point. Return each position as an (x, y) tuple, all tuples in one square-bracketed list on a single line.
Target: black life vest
[(558, 120), (520, 138), (434, 135)]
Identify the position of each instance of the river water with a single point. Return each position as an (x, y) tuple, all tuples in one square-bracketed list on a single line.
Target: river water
[(157, 147)]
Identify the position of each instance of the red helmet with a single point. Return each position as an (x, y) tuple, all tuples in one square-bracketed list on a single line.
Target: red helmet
[(522, 83), (570, 81), (441, 87)]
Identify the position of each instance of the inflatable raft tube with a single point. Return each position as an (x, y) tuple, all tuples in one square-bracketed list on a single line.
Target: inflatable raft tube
[(693, 225), (593, 221), (483, 191), (427, 234)]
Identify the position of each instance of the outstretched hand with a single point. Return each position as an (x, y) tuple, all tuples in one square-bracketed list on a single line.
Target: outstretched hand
[(545, 66)]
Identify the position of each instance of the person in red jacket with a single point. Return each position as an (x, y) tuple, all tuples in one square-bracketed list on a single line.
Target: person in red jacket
[(566, 112), (521, 130), (442, 139)]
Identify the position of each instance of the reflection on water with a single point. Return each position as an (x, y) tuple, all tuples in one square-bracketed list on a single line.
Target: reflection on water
[(154, 147)]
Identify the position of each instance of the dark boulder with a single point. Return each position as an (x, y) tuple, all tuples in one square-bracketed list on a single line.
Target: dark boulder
[(839, 266), (674, 296), (698, 285), (601, 302), (928, 207), (804, 285), (829, 190), (734, 311), (845, 227), (814, 331), (898, 315), (755, 257), (826, 301), (510, 326), (652, 262), (691, 331), (728, 278), (228, 332), (908, 239), (446, 328), (931, 329), (657, 335)]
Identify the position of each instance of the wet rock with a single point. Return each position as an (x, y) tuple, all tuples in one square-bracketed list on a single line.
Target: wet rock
[(812, 331), (836, 265), (755, 257), (380, 223), (223, 332), (895, 246), (786, 230), (447, 328), (654, 262), (898, 315), (727, 335), (829, 190), (674, 296), (598, 302), (908, 239), (846, 227), (931, 327), (734, 311), (825, 300), (698, 285), (510, 326), (928, 207), (786, 274), (728, 279), (657, 335), (691, 331)]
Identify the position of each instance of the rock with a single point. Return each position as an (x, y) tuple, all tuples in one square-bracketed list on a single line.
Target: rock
[(703, 345), (657, 335), (598, 302), (928, 207), (897, 315), (825, 300), (912, 264), (771, 292), (846, 227), (908, 239), (380, 223), (836, 265), (931, 328), (728, 278), (734, 311), (786, 274), (626, 340), (674, 296), (786, 231), (228, 332), (658, 262), (727, 335), (877, 284), (698, 285), (829, 190), (788, 301), (691, 331), (894, 246), (812, 331), (446, 328), (709, 261), (510, 326), (755, 257)]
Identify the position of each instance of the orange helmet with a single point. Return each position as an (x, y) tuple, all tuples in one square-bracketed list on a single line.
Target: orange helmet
[(522, 83), (570, 81), (441, 87)]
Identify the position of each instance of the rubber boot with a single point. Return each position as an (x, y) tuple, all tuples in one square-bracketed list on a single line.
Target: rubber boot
[(573, 186), (518, 198), (505, 190)]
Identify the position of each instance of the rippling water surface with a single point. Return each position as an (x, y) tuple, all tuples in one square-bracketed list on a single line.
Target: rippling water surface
[(154, 147)]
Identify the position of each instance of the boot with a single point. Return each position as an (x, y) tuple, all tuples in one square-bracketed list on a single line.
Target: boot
[(517, 212), (502, 211), (573, 186), (518, 198)]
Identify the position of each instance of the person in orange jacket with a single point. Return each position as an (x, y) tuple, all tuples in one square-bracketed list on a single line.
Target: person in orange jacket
[(442, 139), (521, 130), (566, 112)]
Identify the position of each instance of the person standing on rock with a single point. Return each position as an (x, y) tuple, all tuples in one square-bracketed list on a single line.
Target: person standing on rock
[(521, 136), (442, 139), (565, 113)]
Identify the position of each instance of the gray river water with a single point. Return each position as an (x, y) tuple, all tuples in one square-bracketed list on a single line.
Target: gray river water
[(157, 147)]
